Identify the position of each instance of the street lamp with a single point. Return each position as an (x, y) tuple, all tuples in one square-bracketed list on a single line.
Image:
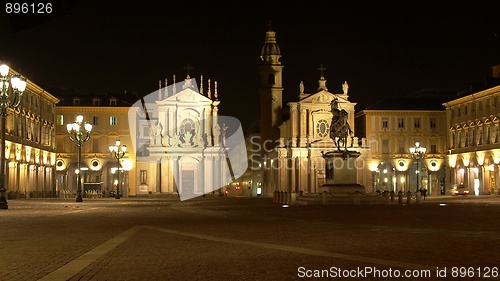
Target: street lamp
[(417, 153), (79, 132), (118, 152), (18, 85)]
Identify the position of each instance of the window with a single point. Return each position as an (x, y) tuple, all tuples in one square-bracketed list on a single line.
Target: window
[(385, 123), (96, 101), (465, 109), (113, 120), (95, 145), (416, 123), (401, 123), (322, 128), (433, 149), (144, 176), (385, 146), (401, 147), (187, 125), (76, 101), (60, 119), (112, 101), (95, 120), (433, 123), (271, 79)]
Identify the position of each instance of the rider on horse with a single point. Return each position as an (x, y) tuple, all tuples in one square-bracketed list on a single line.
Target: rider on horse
[(339, 128)]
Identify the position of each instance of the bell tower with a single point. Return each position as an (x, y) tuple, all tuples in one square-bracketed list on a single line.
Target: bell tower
[(270, 90)]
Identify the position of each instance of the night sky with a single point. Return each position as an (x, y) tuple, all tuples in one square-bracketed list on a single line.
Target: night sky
[(381, 50)]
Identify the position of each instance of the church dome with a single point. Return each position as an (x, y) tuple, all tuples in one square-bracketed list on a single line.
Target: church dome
[(270, 47)]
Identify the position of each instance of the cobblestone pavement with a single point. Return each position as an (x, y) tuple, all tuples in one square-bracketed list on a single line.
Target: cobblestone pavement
[(233, 238)]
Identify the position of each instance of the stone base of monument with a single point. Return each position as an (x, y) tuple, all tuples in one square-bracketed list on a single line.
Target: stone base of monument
[(340, 186)]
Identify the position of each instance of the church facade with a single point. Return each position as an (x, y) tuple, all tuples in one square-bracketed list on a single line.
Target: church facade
[(292, 150), (181, 145)]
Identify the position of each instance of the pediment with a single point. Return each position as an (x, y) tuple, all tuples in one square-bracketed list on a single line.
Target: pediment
[(324, 97), (187, 95)]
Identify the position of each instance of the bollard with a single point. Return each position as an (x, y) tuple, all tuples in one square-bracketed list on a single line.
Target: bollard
[(385, 194), (280, 197), (293, 197), (285, 197), (392, 195), (324, 197), (274, 197), (419, 197), (400, 197), (408, 197)]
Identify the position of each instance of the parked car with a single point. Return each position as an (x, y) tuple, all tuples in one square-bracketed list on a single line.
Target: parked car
[(460, 190)]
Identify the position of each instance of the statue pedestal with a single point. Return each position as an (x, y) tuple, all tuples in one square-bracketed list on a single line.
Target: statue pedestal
[(341, 173)]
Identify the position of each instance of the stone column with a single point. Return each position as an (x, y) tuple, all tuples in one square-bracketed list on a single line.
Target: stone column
[(310, 125), (303, 128), (294, 123), (208, 174)]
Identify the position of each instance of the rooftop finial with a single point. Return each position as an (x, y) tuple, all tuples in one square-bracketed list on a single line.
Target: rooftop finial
[(215, 90), (188, 68), (270, 25), (209, 94), (165, 93), (174, 90), (201, 84), (159, 89), (321, 69), (322, 80)]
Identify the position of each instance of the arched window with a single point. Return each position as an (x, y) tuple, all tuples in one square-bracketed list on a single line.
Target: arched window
[(187, 125)]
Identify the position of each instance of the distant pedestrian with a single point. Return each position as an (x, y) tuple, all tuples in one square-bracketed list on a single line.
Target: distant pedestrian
[(423, 191)]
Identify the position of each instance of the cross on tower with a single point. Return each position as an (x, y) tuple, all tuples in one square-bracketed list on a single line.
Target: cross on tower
[(270, 25), (188, 68), (321, 69)]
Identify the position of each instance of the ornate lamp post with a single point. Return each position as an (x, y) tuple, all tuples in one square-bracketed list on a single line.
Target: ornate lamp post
[(118, 152), (417, 153), (79, 132), (18, 85)]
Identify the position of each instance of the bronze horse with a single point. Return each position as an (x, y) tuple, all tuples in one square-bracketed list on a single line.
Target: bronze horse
[(339, 128)]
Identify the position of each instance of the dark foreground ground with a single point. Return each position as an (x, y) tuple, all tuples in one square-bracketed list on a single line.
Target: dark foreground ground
[(212, 238)]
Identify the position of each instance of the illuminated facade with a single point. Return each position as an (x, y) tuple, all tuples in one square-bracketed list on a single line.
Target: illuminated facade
[(291, 150), (474, 140), (391, 128), (108, 115), (30, 145), (180, 143)]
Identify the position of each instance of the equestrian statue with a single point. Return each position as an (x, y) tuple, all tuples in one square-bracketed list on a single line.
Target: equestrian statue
[(339, 127)]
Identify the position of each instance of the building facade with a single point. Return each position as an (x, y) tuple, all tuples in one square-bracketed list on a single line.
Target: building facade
[(30, 145), (393, 126), (291, 151), (108, 115), (180, 141), (474, 140)]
